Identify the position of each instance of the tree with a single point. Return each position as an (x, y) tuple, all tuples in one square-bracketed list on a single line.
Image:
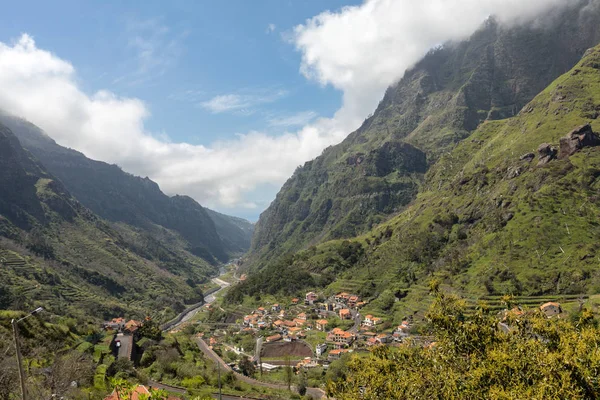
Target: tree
[(288, 372), (247, 366), (472, 357), (150, 330)]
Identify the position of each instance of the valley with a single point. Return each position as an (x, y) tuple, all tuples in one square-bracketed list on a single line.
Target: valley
[(446, 248)]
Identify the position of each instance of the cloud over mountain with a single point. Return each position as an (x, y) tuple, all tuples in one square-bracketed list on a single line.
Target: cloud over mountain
[(359, 50)]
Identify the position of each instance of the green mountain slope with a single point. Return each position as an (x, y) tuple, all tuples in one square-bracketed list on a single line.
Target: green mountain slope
[(377, 170), (121, 197), (56, 253), (509, 210), (236, 233)]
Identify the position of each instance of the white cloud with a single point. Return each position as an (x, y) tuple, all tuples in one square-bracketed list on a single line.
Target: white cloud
[(359, 50), (298, 119), (244, 103), (271, 28)]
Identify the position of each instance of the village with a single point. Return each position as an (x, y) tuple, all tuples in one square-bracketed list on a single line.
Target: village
[(305, 335)]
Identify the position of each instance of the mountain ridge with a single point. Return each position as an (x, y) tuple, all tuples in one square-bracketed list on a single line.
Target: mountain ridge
[(122, 197), (437, 103)]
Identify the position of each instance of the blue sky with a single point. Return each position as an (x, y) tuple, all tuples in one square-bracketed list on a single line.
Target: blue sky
[(219, 100), (205, 49)]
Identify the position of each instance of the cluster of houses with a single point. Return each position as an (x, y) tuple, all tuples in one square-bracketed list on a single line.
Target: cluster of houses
[(120, 325)]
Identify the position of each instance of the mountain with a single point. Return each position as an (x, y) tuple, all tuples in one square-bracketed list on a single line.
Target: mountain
[(379, 169), (56, 253), (513, 208), (235, 233), (120, 197)]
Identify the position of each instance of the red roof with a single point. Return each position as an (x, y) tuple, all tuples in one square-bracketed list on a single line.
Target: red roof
[(137, 391)]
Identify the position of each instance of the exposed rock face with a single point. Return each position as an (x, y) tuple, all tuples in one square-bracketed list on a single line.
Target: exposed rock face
[(546, 153), (577, 139)]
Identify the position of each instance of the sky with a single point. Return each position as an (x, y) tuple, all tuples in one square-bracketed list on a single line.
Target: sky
[(219, 100)]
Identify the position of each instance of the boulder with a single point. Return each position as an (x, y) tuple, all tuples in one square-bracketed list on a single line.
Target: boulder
[(546, 153), (576, 140), (527, 157)]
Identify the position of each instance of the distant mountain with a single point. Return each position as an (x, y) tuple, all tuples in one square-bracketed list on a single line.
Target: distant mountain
[(236, 233), (121, 197), (57, 253), (378, 170)]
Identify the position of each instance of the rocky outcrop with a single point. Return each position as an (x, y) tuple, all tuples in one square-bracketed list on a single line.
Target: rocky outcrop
[(577, 139), (546, 153)]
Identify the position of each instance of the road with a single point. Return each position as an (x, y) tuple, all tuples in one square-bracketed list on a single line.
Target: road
[(316, 393), (125, 345), (188, 314)]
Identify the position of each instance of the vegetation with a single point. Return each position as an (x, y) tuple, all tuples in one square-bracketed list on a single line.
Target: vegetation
[(477, 226), (472, 357), (378, 170)]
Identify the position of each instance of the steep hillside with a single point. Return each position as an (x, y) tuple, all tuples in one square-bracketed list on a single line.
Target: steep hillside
[(121, 197), (236, 233), (378, 169), (514, 208), (56, 253)]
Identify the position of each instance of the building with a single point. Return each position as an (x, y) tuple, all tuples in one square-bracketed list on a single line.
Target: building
[(342, 297), (345, 313), (116, 324), (353, 301), (371, 321), (551, 309), (295, 300), (340, 336), (383, 338), (273, 338), (275, 308), (302, 316), (311, 297), (322, 325), (320, 349), (139, 392), (336, 354), (132, 325)]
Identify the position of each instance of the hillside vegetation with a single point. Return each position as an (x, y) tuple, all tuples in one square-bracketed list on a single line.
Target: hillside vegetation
[(496, 215), (379, 169), (56, 253), (120, 197)]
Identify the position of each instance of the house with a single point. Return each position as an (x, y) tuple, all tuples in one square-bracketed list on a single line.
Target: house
[(340, 336), (311, 297), (322, 324), (138, 393), (299, 322), (383, 338), (320, 349), (275, 308), (278, 323), (345, 313), (353, 300), (289, 324), (282, 314), (243, 277), (302, 316), (551, 309), (262, 325), (370, 321), (261, 310), (295, 300), (273, 338), (336, 354), (372, 342), (116, 324), (307, 362), (342, 297), (132, 325)]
